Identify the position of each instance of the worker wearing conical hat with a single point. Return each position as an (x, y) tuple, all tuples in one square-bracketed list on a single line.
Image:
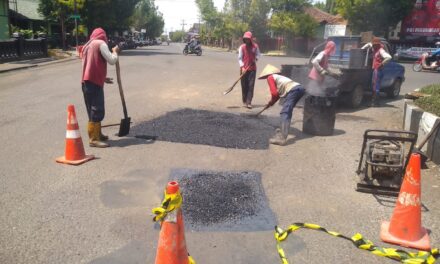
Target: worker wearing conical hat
[(288, 92)]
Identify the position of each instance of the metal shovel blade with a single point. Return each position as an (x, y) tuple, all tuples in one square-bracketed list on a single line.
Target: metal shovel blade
[(124, 128)]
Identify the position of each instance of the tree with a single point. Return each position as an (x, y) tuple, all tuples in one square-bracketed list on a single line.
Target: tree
[(58, 10), (289, 19), (321, 5), (112, 15), (258, 18), (177, 36), (146, 16), (374, 15)]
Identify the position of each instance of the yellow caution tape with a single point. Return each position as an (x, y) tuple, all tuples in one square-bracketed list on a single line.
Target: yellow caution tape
[(421, 257), (191, 260), (170, 203)]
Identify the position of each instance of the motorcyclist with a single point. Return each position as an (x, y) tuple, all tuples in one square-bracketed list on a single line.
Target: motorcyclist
[(193, 43), (434, 57)]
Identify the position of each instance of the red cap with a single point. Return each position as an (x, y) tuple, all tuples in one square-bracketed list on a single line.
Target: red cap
[(248, 35), (172, 187)]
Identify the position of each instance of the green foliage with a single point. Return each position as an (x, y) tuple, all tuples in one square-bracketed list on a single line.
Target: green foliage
[(112, 15), (146, 16), (26, 33), (295, 23), (433, 89), (321, 5), (289, 19), (375, 15), (430, 103), (177, 36), (289, 5)]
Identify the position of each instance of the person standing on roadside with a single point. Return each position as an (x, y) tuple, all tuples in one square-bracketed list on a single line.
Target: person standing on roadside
[(248, 55), (95, 55), (380, 58), (320, 69), (289, 93)]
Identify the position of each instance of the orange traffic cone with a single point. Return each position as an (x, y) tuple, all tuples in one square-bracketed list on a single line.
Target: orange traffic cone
[(74, 153), (405, 228), (171, 247)]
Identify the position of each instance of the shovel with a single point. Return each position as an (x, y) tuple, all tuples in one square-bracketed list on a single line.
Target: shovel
[(124, 127), (418, 149), (233, 85), (258, 113)]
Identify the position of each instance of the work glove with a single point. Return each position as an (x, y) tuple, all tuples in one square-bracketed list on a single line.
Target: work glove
[(324, 72)]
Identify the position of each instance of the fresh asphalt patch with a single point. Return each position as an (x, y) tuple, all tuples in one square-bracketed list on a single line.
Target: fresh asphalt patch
[(203, 127), (224, 200)]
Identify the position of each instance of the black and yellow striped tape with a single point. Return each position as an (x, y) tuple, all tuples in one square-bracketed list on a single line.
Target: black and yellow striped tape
[(421, 257)]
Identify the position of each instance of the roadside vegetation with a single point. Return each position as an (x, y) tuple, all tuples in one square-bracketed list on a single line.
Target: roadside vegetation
[(430, 103)]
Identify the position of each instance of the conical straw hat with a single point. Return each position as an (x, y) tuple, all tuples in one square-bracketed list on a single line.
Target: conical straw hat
[(268, 70)]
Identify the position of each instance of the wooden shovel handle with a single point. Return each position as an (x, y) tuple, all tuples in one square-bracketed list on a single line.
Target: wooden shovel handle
[(121, 92)]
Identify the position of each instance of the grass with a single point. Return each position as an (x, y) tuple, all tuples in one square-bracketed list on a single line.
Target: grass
[(430, 103)]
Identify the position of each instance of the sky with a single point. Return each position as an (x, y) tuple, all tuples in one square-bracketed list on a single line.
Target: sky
[(174, 11)]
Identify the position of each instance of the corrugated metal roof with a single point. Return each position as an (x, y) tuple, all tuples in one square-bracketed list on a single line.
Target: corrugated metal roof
[(29, 9)]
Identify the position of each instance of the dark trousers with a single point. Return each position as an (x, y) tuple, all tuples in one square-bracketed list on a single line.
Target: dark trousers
[(94, 99), (292, 98), (247, 87)]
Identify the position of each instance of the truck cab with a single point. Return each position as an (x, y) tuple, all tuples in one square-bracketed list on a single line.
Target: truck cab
[(355, 64)]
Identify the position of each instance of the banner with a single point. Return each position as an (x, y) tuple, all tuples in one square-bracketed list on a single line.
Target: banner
[(424, 20)]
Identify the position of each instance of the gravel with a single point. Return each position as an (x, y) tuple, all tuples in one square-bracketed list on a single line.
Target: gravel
[(203, 127), (227, 201)]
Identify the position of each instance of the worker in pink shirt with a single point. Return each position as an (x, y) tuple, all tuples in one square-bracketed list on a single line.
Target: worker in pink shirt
[(95, 55), (248, 55)]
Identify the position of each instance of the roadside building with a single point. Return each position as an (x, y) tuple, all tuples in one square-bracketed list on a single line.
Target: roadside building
[(24, 14), (4, 20)]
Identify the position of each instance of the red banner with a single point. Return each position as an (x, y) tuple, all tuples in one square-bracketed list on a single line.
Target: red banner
[(424, 19)]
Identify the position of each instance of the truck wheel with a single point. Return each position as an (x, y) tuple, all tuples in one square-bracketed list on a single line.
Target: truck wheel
[(394, 90), (356, 96)]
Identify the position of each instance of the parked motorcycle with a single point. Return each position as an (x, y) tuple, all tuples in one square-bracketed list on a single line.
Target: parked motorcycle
[(425, 62), (192, 50)]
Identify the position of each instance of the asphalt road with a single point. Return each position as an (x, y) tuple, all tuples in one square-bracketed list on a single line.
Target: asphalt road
[(100, 212)]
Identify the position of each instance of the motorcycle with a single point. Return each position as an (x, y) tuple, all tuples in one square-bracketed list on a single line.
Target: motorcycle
[(193, 50), (425, 62)]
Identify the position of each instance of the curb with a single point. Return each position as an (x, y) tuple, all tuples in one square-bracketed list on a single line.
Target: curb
[(417, 120), (24, 67), (18, 68)]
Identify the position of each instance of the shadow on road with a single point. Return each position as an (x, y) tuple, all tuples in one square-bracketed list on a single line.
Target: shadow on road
[(142, 52), (130, 141), (390, 202)]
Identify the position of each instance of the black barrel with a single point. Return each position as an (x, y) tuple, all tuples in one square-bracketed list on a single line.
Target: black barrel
[(319, 115)]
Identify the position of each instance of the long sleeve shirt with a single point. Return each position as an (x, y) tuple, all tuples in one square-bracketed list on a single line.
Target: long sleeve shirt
[(110, 57), (386, 57)]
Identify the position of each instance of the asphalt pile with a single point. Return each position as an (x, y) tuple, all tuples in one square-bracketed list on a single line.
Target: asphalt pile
[(224, 200), (208, 128)]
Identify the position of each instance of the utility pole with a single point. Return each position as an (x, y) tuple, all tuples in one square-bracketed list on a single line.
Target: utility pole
[(183, 29), (183, 25)]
